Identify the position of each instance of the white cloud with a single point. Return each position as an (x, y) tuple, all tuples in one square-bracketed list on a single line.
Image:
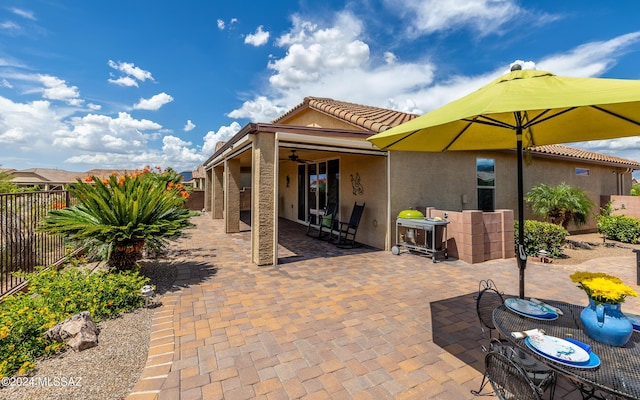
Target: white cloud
[(25, 125), (94, 107), (23, 13), (222, 25), (95, 132), (315, 53), (189, 126), (429, 16), (153, 103), (7, 84), (124, 81), (131, 72), (390, 58), (57, 89), (10, 26), (261, 109), (589, 59), (222, 135), (258, 38)]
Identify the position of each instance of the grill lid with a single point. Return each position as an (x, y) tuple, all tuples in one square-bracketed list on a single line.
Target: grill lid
[(411, 214)]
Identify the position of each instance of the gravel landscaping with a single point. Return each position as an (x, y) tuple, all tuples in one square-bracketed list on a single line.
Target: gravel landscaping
[(108, 371)]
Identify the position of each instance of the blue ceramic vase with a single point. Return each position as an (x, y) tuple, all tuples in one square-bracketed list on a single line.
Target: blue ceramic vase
[(606, 323)]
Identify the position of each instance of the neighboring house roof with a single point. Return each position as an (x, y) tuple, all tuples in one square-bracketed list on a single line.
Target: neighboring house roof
[(36, 176)]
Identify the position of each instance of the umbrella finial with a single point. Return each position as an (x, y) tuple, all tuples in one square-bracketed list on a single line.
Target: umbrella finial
[(516, 67)]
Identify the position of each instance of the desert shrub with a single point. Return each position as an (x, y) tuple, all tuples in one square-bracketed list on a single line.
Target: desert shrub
[(52, 297), (117, 217), (619, 227), (542, 236)]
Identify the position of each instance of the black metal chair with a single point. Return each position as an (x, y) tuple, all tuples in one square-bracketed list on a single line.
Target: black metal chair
[(327, 223), (487, 299), (509, 380), (346, 232)]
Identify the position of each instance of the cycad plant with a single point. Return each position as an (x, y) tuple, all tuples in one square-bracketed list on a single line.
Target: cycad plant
[(560, 204), (120, 215)]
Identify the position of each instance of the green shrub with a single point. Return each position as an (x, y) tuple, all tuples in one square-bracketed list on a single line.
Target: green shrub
[(620, 227), (542, 236), (52, 297), (116, 217)]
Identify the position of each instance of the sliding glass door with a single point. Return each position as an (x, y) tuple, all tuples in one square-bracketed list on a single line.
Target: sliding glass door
[(319, 184)]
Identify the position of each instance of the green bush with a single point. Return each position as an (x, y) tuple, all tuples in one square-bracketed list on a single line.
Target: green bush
[(542, 236), (52, 297), (118, 216), (620, 227)]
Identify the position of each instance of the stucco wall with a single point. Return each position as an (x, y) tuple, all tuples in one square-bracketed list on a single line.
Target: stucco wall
[(443, 180), (623, 205)]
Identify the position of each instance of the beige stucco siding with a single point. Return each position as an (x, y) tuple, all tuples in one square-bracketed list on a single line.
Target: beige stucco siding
[(444, 180)]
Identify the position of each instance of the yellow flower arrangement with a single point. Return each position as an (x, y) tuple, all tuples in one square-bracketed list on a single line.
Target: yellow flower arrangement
[(602, 288)]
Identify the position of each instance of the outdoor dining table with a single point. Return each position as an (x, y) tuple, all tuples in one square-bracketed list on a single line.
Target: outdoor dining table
[(617, 376)]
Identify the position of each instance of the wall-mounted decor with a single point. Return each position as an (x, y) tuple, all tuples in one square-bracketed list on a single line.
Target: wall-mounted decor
[(356, 185)]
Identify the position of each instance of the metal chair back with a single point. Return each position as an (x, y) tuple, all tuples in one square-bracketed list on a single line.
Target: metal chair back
[(508, 379), (487, 300)]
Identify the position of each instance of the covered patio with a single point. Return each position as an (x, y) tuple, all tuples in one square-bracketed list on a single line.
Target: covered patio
[(328, 323)]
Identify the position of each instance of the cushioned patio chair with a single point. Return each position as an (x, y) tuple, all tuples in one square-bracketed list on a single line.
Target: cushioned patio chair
[(327, 223), (346, 232)]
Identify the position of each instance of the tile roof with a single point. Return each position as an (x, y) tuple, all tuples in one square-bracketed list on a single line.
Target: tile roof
[(378, 119), (566, 151), (373, 119)]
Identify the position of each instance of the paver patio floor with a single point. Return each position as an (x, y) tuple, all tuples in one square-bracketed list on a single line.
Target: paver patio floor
[(328, 323)]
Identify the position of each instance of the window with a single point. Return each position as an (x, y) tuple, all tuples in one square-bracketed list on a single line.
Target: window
[(486, 181)]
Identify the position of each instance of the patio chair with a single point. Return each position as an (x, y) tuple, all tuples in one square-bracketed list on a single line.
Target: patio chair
[(487, 299), (328, 222), (508, 379), (346, 232)]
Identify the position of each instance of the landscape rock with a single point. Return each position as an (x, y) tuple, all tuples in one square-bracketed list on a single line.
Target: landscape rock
[(78, 331)]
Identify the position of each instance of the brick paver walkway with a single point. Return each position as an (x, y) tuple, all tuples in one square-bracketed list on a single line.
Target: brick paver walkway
[(328, 323)]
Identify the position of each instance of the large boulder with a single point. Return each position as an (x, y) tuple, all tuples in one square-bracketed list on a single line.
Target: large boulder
[(78, 331)]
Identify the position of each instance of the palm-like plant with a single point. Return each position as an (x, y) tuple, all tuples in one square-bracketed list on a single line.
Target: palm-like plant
[(560, 204), (120, 215)]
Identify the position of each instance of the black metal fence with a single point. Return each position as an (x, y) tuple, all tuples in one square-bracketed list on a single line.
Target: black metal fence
[(22, 247)]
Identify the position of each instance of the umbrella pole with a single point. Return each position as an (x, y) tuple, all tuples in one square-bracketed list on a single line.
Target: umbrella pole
[(521, 253)]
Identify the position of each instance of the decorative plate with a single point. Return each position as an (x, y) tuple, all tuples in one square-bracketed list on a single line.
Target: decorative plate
[(529, 309), (592, 362), (635, 320), (558, 349)]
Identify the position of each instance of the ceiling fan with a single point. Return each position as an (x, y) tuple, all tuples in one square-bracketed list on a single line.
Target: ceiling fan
[(294, 157)]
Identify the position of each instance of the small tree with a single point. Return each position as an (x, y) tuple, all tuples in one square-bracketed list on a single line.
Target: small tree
[(120, 215), (6, 184), (560, 204)]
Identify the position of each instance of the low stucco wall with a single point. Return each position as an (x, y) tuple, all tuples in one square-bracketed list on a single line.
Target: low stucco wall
[(474, 236), (623, 205)]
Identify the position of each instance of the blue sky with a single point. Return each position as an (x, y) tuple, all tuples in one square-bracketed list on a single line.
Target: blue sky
[(124, 84)]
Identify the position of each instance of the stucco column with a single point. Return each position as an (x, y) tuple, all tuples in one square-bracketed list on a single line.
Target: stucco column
[(263, 191), (232, 195), (208, 183), (217, 193)]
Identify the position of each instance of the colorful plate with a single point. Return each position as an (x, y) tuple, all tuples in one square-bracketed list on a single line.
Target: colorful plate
[(529, 309), (635, 321), (558, 349), (592, 362)]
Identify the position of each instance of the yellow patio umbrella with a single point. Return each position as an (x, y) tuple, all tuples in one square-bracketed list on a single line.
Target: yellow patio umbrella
[(521, 109)]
